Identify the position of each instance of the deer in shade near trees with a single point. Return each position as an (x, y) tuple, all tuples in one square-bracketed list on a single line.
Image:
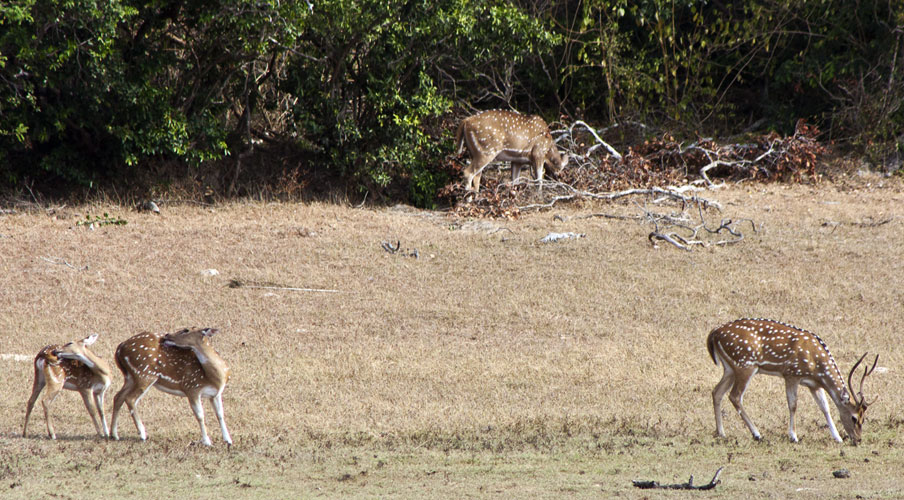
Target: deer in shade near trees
[(507, 136), (746, 347)]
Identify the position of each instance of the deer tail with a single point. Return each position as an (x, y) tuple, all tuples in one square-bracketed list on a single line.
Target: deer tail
[(117, 357), (460, 138), (711, 347)]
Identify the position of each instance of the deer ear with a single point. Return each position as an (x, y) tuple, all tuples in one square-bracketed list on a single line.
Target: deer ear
[(90, 339), (209, 332)]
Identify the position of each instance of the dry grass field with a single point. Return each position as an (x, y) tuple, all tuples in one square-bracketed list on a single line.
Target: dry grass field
[(491, 366)]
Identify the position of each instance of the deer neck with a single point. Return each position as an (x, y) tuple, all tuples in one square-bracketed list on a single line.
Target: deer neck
[(838, 391), (97, 365), (214, 366)]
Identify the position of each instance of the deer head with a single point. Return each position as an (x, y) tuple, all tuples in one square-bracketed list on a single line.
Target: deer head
[(77, 351), (855, 408)]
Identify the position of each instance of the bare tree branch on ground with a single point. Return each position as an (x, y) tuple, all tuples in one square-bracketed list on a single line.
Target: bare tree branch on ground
[(689, 485)]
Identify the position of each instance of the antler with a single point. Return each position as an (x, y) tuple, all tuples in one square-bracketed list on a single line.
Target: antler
[(858, 399), (865, 373)]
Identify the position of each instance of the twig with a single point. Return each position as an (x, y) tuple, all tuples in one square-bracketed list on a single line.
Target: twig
[(867, 223), (234, 283), (28, 187), (872, 223), (713, 164), (364, 200), (670, 238), (57, 260), (689, 485), (563, 218), (386, 245)]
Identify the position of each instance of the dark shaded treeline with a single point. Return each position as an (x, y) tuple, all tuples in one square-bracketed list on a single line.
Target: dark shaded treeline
[(368, 91)]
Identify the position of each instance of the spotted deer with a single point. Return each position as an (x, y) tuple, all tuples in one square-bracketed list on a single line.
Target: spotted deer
[(181, 363), (507, 136), (746, 347), (74, 367)]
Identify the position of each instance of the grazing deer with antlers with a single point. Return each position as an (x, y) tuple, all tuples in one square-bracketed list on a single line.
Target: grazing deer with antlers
[(746, 347), (507, 136), (181, 363), (72, 366)]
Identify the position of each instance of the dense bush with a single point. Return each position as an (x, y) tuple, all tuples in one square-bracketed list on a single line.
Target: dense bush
[(90, 89), (94, 92), (716, 65), (371, 89)]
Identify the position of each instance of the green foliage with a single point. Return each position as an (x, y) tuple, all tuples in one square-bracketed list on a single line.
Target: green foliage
[(55, 66), (723, 66), (98, 221), (89, 89), (92, 91), (847, 72)]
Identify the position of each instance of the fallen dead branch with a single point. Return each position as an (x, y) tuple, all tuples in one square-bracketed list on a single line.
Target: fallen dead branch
[(574, 193), (672, 238), (236, 283), (563, 218), (398, 250), (869, 222), (692, 237), (689, 485), (678, 228), (596, 136)]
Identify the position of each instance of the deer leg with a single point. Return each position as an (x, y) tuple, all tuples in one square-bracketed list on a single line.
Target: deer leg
[(54, 381), (516, 172), (791, 393), (736, 397), (218, 407), (118, 400), (719, 393), (130, 394), (537, 160), (820, 396), (538, 169), (468, 173), (474, 171), (132, 402), (89, 404), (46, 401), (195, 401), (99, 402), (36, 389)]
